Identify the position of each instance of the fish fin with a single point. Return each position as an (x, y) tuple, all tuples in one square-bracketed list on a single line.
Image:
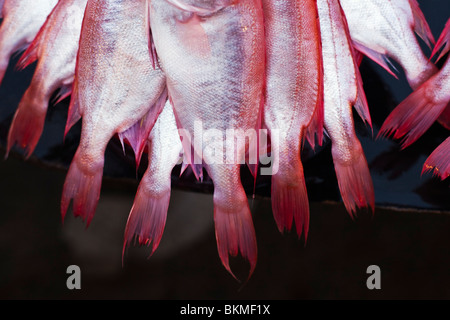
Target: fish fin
[(421, 26), (315, 127), (439, 161), (355, 182), (235, 233), (31, 52), (290, 203), (83, 186), (443, 42), (147, 218), (189, 155), (444, 117), (379, 58), (151, 44), (412, 117), (27, 125), (138, 133), (74, 113), (64, 92), (360, 104)]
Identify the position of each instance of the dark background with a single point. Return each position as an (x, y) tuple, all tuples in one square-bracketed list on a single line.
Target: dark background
[(408, 237)]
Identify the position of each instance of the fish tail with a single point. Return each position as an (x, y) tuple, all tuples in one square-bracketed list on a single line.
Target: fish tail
[(443, 42), (290, 202), (28, 123), (421, 26), (355, 182), (412, 117), (439, 160), (73, 114), (235, 233), (147, 217), (83, 186), (444, 117)]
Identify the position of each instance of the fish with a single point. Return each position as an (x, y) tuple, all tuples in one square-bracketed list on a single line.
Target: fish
[(147, 217), (22, 20), (389, 31), (214, 63), (294, 95), (116, 87), (343, 89), (419, 110), (55, 48)]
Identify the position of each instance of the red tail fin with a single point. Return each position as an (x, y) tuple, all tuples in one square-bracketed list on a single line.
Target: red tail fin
[(412, 117), (147, 218), (439, 160), (27, 125), (443, 42), (421, 26), (355, 182), (290, 202), (83, 186), (234, 233)]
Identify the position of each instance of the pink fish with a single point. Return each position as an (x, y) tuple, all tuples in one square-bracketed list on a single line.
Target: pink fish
[(414, 115), (383, 29), (115, 88), (148, 215), (342, 90), (55, 47), (294, 94), (22, 20), (214, 64)]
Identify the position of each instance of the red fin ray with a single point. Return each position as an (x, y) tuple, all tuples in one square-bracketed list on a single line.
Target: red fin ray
[(439, 160)]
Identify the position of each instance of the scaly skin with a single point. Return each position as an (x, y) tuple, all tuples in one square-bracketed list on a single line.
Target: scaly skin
[(340, 94), (214, 66), (388, 29), (293, 93), (22, 20), (55, 48), (116, 87)]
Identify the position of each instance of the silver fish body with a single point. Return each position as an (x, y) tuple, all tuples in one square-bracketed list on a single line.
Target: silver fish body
[(115, 87), (214, 66), (387, 29), (55, 48), (22, 20), (340, 94)]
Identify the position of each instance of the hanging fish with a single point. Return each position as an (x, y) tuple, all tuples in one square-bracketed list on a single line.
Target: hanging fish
[(389, 31), (294, 95), (22, 20), (414, 115), (55, 48), (148, 215), (214, 64), (115, 87), (342, 90)]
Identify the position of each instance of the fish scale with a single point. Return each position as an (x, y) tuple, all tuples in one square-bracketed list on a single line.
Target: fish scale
[(216, 80), (115, 87)]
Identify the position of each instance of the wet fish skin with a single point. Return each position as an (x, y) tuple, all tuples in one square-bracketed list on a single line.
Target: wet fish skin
[(341, 92), (115, 87), (294, 92), (214, 66), (55, 47), (388, 31), (415, 114), (22, 20), (147, 218)]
